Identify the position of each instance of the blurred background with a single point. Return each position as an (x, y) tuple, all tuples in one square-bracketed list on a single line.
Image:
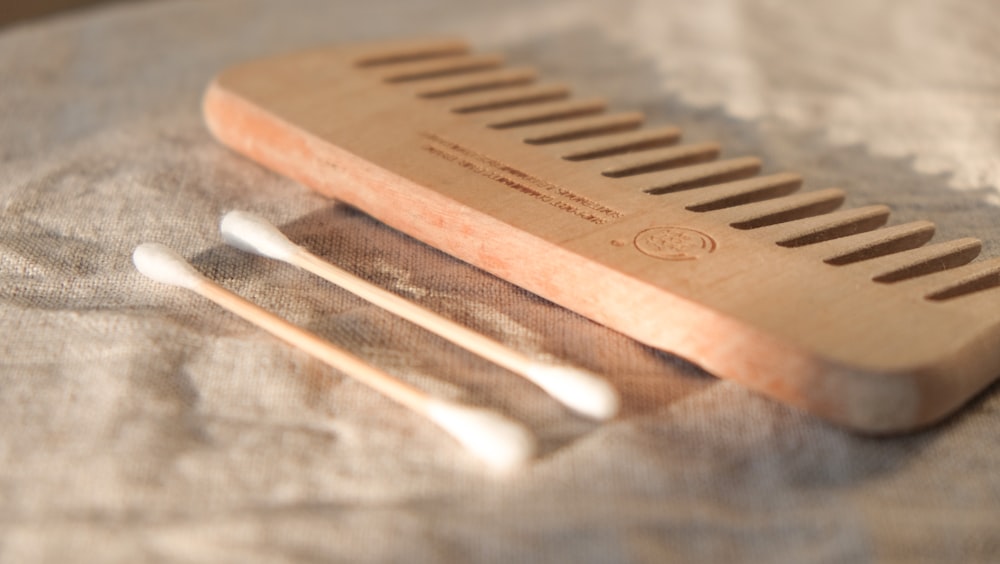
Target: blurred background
[(13, 11)]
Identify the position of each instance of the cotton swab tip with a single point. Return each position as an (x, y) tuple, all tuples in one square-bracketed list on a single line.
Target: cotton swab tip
[(254, 234), (163, 264), (503, 444), (578, 389)]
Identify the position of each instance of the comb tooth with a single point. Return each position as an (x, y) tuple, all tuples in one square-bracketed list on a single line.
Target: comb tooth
[(542, 113), (509, 97), (976, 277), (580, 128), (694, 176), (741, 192), (438, 67), (827, 226), (921, 261), (618, 143), (474, 82), (785, 208), (960, 281), (659, 159), (406, 51), (873, 244)]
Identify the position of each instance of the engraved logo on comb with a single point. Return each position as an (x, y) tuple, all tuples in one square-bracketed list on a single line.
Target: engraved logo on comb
[(674, 243)]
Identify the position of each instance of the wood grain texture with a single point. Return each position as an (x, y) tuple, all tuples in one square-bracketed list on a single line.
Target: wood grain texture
[(681, 247)]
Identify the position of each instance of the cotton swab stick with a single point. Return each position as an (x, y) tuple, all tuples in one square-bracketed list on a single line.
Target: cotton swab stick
[(498, 441), (581, 391)]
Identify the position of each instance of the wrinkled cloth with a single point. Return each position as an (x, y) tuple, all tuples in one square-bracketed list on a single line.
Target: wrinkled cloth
[(141, 423)]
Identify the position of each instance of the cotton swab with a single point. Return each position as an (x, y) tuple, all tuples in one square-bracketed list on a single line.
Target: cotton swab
[(581, 391), (498, 441)]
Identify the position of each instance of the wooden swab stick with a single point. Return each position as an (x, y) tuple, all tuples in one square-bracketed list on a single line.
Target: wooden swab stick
[(498, 441), (581, 391)]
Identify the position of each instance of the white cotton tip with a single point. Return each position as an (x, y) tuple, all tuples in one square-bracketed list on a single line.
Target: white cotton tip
[(254, 234), (578, 389), (163, 264), (500, 442)]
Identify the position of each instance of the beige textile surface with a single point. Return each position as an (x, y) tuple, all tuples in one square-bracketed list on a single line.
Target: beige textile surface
[(139, 423)]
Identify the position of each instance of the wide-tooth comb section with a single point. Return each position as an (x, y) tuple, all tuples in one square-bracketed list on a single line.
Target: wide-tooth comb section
[(826, 226), (659, 159), (729, 194), (873, 244), (474, 82), (694, 176), (439, 67), (786, 208), (619, 143), (920, 261), (545, 112), (512, 96), (411, 51), (580, 128), (960, 281)]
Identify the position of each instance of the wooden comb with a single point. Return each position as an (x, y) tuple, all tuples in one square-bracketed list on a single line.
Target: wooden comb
[(740, 273)]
